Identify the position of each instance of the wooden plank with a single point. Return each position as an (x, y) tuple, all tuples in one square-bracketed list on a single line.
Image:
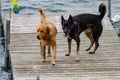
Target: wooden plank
[(28, 23), (26, 59), (104, 64)]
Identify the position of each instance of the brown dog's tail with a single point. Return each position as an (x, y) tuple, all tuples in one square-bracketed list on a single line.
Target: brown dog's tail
[(42, 13), (102, 10)]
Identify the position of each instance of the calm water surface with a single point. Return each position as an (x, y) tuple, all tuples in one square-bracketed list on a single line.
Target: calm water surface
[(57, 6)]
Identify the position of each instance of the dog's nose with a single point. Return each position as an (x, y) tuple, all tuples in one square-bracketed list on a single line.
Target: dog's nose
[(38, 37)]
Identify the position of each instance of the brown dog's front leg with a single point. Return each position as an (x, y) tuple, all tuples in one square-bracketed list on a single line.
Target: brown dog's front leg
[(54, 55), (43, 53), (40, 48), (69, 47)]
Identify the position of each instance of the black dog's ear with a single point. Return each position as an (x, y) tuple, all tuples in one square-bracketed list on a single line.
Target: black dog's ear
[(62, 19), (70, 19)]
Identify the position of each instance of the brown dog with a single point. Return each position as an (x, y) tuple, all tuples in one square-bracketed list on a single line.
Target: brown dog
[(47, 35)]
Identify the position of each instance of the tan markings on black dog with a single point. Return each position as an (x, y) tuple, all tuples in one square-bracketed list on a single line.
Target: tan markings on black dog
[(47, 35), (88, 33)]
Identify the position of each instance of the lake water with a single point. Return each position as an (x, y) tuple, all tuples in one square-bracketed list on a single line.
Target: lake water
[(58, 6)]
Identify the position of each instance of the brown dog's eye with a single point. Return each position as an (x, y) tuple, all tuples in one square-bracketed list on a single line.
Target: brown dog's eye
[(41, 31)]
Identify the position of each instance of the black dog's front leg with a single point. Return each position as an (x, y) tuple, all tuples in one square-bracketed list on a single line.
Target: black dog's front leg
[(69, 47), (78, 49)]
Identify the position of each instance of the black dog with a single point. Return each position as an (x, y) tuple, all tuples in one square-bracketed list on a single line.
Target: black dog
[(91, 24)]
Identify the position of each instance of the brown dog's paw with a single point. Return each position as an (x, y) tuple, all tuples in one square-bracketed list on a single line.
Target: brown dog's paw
[(91, 53), (53, 63), (67, 54), (77, 60), (43, 61)]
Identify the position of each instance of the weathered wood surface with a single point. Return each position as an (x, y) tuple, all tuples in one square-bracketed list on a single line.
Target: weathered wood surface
[(25, 54), (28, 23)]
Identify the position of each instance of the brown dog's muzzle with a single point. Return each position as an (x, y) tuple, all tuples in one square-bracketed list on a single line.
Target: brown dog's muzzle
[(38, 37)]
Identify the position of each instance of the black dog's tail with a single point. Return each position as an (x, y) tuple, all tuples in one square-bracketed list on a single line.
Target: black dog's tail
[(102, 10)]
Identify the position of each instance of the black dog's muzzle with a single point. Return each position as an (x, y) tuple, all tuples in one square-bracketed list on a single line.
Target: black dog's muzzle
[(65, 34)]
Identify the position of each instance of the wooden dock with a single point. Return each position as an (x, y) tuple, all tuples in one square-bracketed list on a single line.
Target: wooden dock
[(25, 53)]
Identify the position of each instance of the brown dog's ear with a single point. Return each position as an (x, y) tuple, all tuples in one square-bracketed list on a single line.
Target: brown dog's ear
[(70, 19), (48, 30), (62, 19)]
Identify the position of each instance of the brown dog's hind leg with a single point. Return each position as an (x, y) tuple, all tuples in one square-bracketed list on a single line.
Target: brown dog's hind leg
[(69, 47), (88, 33)]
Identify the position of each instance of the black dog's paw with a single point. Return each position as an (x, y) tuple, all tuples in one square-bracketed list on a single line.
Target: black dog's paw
[(91, 53), (67, 54), (88, 49)]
